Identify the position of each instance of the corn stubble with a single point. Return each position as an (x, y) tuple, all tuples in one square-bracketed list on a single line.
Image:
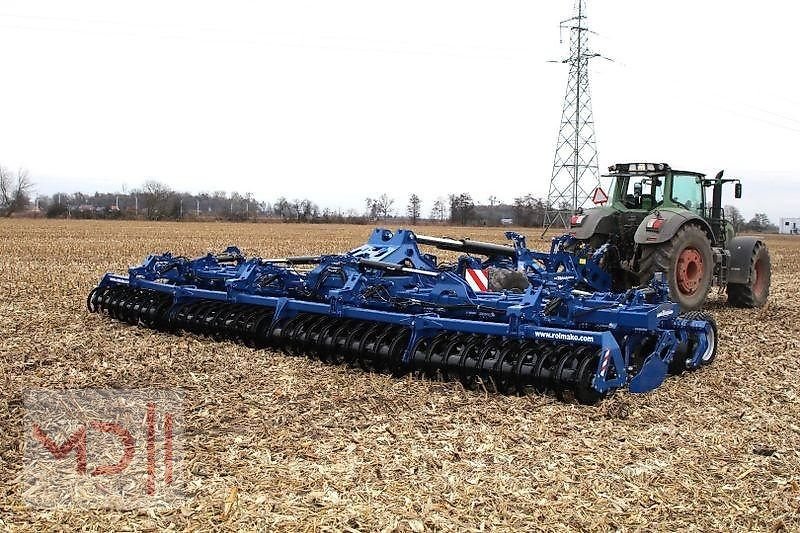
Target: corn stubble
[(283, 443)]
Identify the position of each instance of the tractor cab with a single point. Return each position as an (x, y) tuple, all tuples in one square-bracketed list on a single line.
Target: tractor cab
[(648, 186), (646, 195)]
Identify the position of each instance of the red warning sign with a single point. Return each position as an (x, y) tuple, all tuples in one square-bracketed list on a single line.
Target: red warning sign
[(599, 196), (477, 279)]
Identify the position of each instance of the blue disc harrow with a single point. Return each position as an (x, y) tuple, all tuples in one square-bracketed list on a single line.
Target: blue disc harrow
[(388, 306)]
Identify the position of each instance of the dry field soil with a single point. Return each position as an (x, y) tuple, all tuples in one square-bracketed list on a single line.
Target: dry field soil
[(275, 442)]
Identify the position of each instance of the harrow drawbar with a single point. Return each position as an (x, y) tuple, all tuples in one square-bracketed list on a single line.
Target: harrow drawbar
[(387, 307)]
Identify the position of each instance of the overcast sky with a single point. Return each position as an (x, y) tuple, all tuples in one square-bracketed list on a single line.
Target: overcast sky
[(338, 100)]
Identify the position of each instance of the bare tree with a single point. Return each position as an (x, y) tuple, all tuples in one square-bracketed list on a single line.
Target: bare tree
[(306, 210), (735, 217), (283, 208), (380, 207), (158, 199), (387, 204), (760, 223), (462, 208), (438, 210), (372, 208), (529, 210), (14, 191), (414, 207)]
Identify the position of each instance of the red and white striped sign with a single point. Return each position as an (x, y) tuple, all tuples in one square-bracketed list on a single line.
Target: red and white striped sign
[(477, 279), (604, 364)]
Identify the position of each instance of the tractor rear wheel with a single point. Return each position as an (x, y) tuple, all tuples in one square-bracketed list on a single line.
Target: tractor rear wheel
[(687, 261), (756, 292)]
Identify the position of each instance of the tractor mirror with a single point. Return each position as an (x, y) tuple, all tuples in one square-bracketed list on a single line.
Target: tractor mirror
[(737, 190), (637, 189)]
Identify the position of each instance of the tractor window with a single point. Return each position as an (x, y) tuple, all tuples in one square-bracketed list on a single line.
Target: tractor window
[(687, 191), (644, 192)]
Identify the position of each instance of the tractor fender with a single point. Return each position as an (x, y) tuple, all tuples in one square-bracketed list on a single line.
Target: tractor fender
[(741, 249), (593, 221), (673, 221)]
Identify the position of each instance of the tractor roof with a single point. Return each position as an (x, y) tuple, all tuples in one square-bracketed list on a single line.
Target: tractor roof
[(644, 169)]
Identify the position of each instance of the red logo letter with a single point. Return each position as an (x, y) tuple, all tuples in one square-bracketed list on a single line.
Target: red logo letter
[(127, 444), (168, 448), (77, 440)]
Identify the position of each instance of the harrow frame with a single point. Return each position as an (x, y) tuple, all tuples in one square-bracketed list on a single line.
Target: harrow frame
[(622, 339)]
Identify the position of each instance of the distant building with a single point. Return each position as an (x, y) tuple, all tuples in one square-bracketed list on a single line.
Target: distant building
[(789, 226)]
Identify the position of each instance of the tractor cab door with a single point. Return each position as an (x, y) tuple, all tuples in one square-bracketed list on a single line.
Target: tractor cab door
[(643, 192), (688, 192)]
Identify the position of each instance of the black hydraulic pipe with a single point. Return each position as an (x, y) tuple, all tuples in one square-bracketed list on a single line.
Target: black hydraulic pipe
[(393, 267), (467, 246), (304, 260)]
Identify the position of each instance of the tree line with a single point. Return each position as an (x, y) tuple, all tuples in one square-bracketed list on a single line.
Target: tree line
[(157, 201), (759, 223)]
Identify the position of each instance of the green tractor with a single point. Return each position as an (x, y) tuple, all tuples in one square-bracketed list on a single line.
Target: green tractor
[(658, 220)]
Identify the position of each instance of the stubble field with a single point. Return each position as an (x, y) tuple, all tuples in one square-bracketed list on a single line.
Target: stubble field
[(284, 443)]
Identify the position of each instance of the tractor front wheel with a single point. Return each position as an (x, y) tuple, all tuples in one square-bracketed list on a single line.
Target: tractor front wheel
[(687, 261), (756, 291)]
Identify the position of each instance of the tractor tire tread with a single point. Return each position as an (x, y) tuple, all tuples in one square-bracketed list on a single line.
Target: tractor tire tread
[(742, 294), (659, 258)]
